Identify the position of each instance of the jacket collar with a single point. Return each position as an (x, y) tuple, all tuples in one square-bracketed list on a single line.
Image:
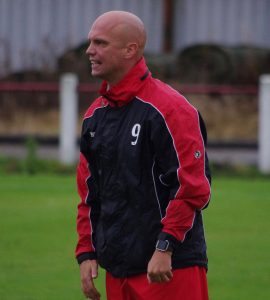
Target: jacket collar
[(124, 91)]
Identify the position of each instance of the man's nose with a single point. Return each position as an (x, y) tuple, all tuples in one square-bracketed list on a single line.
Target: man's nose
[(90, 49)]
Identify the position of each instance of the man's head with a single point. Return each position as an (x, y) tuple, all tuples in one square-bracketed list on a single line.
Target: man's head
[(116, 43)]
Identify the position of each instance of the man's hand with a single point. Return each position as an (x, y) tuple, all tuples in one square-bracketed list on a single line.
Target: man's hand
[(89, 271), (160, 267)]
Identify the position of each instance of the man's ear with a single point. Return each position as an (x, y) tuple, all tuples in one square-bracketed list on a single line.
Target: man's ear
[(131, 50)]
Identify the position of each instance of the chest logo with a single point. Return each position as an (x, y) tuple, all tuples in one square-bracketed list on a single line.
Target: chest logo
[(92, 134), (135, 133), (197, 154)]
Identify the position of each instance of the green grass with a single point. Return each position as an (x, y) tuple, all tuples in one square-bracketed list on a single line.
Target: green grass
[(237, 226), (37, 238)]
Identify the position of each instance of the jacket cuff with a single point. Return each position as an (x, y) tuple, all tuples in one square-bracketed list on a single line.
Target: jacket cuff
[(163, 236), (85, 256)]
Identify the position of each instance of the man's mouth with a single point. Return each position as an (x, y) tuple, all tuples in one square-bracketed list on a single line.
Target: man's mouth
[(95, 63)]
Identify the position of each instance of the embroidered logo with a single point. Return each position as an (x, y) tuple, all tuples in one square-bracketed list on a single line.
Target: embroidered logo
[(197, 154), (92, 133)]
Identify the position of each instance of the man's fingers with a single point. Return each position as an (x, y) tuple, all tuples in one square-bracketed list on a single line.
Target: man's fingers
[(166, 278), (159, 267), (90, 291), (169, 274), (89, 270), (93, 295), (159, 277), (94, 269)]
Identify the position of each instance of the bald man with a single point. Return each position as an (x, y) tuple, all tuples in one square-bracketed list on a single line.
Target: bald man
[(143, 176)]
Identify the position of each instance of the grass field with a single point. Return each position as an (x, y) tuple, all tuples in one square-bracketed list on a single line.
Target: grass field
[(37, 239)]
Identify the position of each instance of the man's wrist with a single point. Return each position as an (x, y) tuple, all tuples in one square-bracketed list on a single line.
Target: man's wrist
[(167, 253), (164, 246), (86, 256), (166, 242)]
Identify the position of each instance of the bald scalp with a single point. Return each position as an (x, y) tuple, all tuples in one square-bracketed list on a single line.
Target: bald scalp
[(125, 26)]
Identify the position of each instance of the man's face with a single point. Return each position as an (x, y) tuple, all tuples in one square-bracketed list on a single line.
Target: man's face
[(105, 53)]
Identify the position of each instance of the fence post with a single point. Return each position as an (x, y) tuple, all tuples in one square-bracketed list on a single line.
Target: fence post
[(264, 124), (68, 118)]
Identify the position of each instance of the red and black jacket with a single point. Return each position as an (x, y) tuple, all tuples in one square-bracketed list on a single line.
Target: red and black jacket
[(143, 174)]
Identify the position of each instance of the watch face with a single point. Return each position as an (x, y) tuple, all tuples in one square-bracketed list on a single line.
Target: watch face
[(162, 245)]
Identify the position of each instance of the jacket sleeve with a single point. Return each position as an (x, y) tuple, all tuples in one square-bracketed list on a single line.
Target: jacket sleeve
[(182, 158), (85, 248)]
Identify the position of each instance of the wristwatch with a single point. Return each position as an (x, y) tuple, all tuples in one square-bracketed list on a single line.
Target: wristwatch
[(163, 245)]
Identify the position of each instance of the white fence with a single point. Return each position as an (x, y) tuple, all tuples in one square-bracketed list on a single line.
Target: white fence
[(264, 124), (68, 153), (69, 103)]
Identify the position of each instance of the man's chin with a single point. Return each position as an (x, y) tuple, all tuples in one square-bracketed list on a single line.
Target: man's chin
[(96, 74)]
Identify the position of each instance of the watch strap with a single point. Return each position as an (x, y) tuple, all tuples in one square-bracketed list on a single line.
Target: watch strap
[(173, 242)]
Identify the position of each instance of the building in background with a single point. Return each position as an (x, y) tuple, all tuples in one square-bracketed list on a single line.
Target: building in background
[(34, 33)]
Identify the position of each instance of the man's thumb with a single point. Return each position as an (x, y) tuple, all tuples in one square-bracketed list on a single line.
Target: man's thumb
[(94, 270)]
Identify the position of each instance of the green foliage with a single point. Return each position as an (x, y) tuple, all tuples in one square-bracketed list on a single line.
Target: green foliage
[(38, 237), (236, 171), (30, 162), (33, 165)]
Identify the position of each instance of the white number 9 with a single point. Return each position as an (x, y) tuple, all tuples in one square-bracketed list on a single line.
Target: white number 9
[(135, 132)]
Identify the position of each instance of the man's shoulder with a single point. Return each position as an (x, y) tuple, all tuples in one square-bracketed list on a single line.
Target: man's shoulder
[(164, 97), (96, 104)]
